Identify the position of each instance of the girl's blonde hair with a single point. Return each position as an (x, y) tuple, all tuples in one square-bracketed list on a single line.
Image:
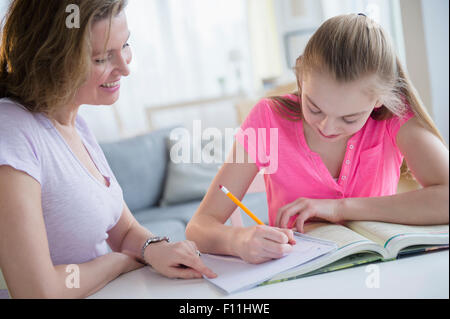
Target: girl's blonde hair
[(43, 62), (350, 47)]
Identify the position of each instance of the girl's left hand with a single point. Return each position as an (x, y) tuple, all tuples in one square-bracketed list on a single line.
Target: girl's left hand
[(307, 208)]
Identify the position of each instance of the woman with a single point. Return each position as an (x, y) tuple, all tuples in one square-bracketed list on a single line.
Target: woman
[(60, 203)]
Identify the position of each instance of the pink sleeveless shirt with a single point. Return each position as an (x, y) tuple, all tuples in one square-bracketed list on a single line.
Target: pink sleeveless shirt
[(371, 166)]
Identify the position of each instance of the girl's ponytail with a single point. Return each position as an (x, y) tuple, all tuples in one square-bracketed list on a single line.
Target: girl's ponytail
[(417, 106)]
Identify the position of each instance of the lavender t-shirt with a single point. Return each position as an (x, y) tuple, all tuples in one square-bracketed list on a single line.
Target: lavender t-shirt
[(78, 209)]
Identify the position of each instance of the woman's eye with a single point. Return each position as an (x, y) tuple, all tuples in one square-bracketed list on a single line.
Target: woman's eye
[(100, 61)]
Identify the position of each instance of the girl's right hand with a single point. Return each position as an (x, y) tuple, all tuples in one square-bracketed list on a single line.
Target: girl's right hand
[(261, 243)]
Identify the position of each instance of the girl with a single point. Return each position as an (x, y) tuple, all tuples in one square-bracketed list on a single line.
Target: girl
[(60, 204), (341, 142)]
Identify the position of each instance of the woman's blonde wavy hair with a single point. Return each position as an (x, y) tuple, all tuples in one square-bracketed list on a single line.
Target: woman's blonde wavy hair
[(350, 47), (43, 62)]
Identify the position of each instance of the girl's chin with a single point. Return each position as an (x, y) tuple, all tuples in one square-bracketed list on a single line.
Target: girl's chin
[(331, 139)]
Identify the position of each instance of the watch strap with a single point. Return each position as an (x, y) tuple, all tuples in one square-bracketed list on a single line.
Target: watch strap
[(151, 240)]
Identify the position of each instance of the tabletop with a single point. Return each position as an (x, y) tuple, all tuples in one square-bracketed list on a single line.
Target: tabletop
[(419, 276)]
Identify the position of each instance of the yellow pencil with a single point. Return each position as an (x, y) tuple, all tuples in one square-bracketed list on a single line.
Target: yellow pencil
[(238, 202)]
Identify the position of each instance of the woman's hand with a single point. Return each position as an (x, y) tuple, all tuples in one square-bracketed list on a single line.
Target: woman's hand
[(298, 212), (130, 263), (261, 243), (177, 260)]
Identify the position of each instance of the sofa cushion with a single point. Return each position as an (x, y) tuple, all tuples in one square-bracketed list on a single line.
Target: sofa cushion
[(140, 164), (256, 202), (181, 212), (188, 181), (174, 229)]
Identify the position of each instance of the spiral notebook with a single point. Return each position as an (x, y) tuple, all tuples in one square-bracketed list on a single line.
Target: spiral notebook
[(235, 275)]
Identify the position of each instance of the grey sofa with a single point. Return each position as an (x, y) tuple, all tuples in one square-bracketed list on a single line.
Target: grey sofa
[(141, 165)]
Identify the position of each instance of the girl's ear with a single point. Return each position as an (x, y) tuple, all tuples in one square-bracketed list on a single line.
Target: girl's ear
[(378, 105), (299, 81), (298, 70)]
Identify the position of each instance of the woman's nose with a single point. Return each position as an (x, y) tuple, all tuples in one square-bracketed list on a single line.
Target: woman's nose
[(123, 64)]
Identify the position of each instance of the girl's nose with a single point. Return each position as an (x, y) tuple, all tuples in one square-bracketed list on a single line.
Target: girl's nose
[(327, 126)]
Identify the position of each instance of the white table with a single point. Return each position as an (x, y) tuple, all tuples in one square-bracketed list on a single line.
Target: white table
[(420, 276)]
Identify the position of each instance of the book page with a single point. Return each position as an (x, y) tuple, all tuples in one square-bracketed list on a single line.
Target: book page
[(346, 262), (382, 233), (234, 274), (339, 234)]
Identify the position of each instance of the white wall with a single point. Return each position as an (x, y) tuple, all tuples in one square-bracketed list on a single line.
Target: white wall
[(435, 19), (382, 11), (3, 7)]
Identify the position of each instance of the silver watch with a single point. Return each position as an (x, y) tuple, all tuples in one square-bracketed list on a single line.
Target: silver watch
[(154, 239)]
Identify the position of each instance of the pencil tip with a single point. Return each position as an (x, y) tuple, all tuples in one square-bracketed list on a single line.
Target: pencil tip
[(220, 186)]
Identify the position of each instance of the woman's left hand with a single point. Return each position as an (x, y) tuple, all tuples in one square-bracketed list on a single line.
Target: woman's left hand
[(305, 209), (177, 260)]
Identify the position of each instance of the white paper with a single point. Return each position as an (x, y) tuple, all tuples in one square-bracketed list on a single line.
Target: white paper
[(234, 274)]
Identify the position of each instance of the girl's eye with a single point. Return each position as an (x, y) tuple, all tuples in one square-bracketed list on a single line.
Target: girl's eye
[(314, 112), (126, 45), (349, 122)]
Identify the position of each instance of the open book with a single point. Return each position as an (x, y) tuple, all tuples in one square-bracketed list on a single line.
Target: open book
[(234, 274), (365, 241)]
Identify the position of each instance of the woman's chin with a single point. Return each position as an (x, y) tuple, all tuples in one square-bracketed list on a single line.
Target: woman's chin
[(106, 100), (109, 102)]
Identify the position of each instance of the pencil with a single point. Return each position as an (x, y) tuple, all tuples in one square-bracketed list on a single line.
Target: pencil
[(242, 206)]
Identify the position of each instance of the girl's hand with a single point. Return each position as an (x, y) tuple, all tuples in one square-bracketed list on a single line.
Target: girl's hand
[(177, 260), (306, 208), (261, 243)]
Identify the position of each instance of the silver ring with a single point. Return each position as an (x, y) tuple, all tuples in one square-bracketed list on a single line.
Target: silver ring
[(198, 253)]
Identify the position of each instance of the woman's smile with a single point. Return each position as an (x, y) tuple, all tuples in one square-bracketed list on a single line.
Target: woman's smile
[(111, 87)]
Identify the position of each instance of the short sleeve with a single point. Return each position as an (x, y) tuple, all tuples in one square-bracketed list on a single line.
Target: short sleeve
[(17, 146), (255, 134), (395, 123)]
